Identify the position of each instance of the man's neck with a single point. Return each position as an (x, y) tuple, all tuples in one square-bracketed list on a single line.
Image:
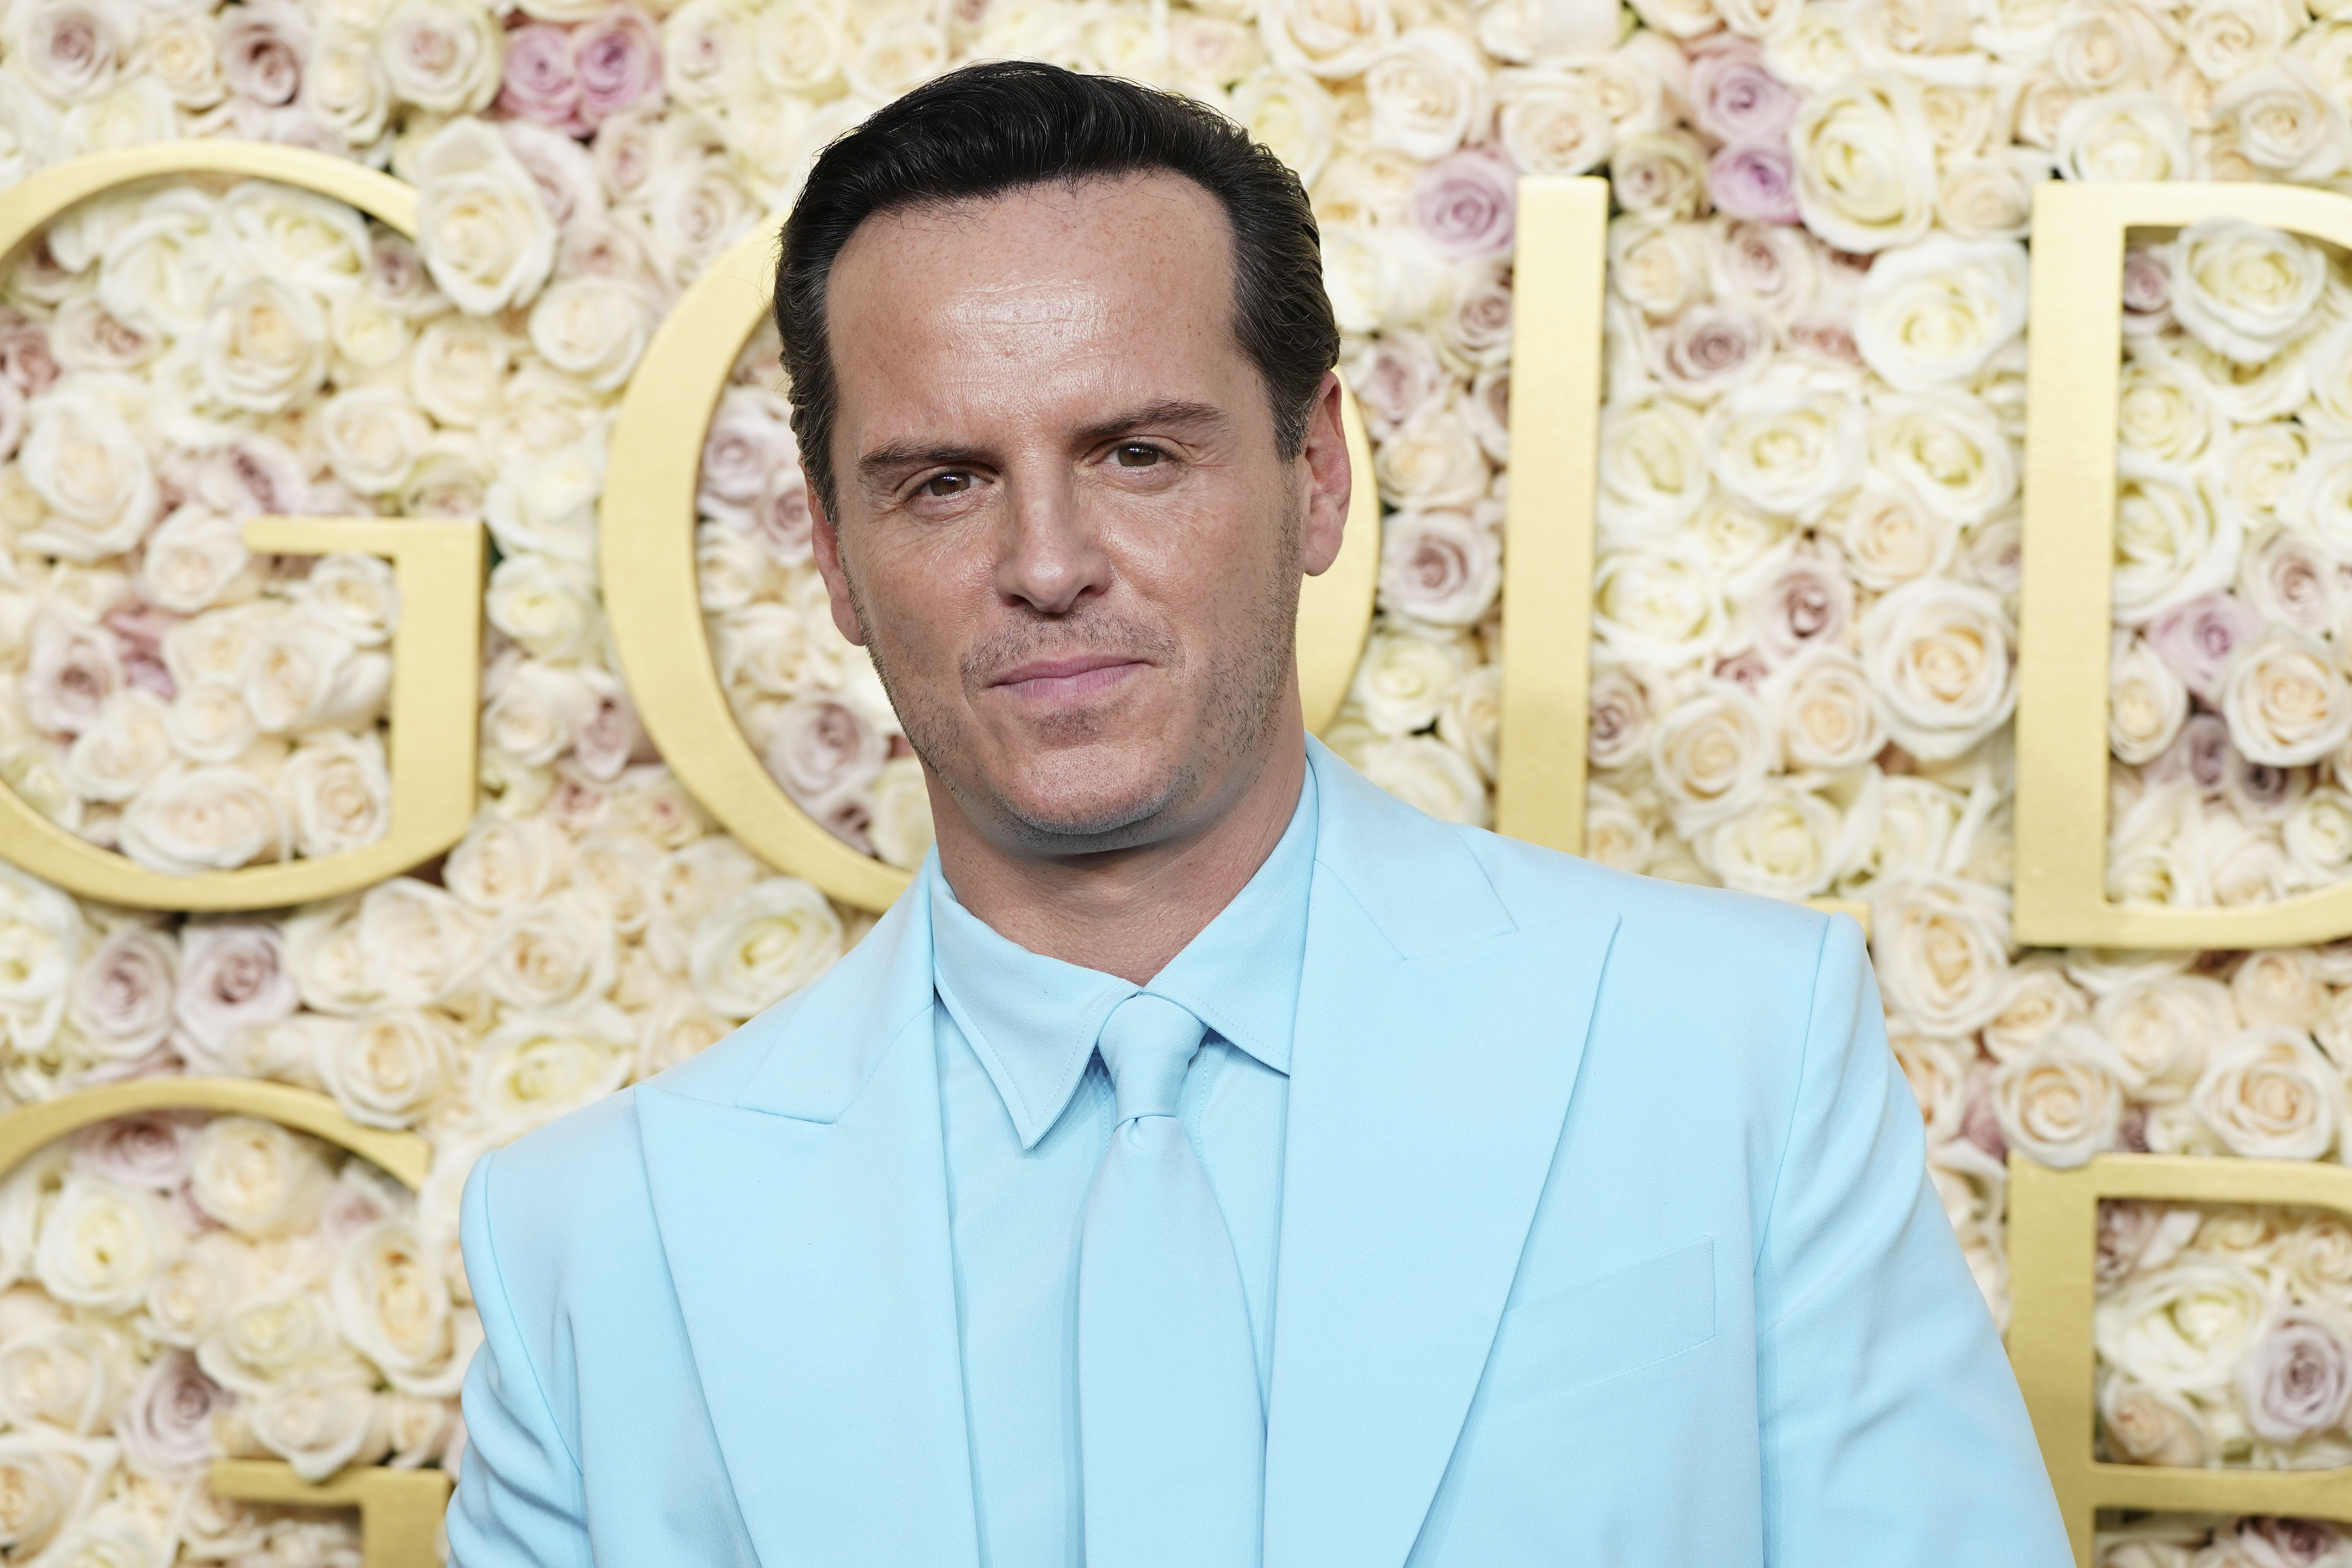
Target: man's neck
[(1127, 913)]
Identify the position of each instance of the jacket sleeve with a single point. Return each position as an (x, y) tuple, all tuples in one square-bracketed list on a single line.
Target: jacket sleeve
[(1893, 1431), (520, 1502)]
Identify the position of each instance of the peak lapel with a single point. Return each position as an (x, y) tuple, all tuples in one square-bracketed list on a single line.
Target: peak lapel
[(806, 1226), (1435, 1051)]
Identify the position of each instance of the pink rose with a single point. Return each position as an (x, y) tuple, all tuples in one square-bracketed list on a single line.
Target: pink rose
[(151, 1149), (610, 737), (72, 51), (1806, 603), (1746, 669), (2200, 753), (2284, 1542), (617, 59), (750, 441), (140, 629), (1478, 327), (121, 1000), (1734, 98), (166, 1424), (2298, 1376), (1753, 181), (540, 84), (1980, 1120), (824, 751), (2259, 792), (25, 357), (2148, 283), (1709, 348), (1620, 719), (2136, 1237), (263, 48), (781, 519), (72, 671), (1826, 335), (1442, 567), (248, 476), (2197, 639), (12, 418), (231, 975), (1464, 204), (1396, 378)]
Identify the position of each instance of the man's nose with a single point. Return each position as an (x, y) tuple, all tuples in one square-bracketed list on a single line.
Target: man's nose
[(1050, 559)]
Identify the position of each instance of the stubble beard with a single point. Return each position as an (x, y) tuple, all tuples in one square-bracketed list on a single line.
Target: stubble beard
[(1244, 687)]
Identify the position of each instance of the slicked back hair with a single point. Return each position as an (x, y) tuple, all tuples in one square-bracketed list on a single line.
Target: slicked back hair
[(991, 129)]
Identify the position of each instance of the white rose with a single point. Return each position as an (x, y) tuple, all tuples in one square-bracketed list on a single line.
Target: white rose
[(2244, 291), (392, 1303), (1785, 447), (2181, 1329), (548, 955), (1434, 461), (1941, 948), (1710, 753), (2060, 1102), (1652, 469), (532, 1069), (337, 793), (1937, 654), (389, 1068), (2286, 123), (1404, 679), (358, 595), (2225, 37), (1786, 846), (1428, 774), (195, 559), (100, 1244), (318, 1418), (1889, 537), (426, 944), (264, 347), (763, 945), (304, 673), (372, 437), (548, 606), (130, 744), (48, 1480), (2157, 1030), (214, 819), (84, 462), (2165, 408), (2318, 835), (547, 505), (1936, 313), (900, 827), (1334, 39), (1989, 198), (1550, 123), (2147, 702), (263, 1336), (1423, 91), (2268, 1093), (442, 54), (484, 233), (1659, 267), (2292, 580), (505, 863), (457, 373), (537, 711), (2152, 1426), (258, 1178), (1286, 111), (2280, 985), (1825, 712), (591, 328), (344, 85), (1865, 164), (2124, 136), (2037, 999), (2286, 698), (1946, 449), (2172, 543), (210, 724)]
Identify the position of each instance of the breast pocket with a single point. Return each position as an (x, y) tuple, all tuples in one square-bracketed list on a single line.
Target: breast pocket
[(1604, 1328)]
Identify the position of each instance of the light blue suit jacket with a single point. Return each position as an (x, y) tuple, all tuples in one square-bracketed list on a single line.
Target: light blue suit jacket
[(1605, 1241)]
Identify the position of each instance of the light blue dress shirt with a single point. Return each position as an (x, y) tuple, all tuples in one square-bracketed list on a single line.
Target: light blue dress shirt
[(1027, 1110)]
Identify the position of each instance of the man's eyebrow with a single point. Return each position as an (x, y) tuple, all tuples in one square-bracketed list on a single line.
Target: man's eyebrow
[(904, 455)]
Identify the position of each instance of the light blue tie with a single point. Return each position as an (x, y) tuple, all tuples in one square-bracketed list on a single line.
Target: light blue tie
[(1172, 1430)]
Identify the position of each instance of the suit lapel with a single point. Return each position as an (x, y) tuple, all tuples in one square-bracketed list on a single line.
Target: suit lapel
[(1435, 1054), (805, 1226)]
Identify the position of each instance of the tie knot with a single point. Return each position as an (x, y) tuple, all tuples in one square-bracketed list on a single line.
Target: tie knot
[(1147, 1043)]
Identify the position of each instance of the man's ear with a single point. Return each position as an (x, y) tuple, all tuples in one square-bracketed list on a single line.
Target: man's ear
[(1330, 481), (824, 543)]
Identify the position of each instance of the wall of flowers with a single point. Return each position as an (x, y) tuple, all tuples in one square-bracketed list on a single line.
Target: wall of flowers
[(1805, 602)]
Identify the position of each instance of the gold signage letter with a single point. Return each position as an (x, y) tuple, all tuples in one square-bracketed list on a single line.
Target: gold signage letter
[(645, 544), (1557, 277), (436, 670), (2054, 1221), (2069, 545)]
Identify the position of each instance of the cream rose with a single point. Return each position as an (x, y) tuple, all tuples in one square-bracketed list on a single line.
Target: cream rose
[(389, 1068), (100, 1244), (441, 54), (2124, 136), (2153, 1426), (1405, 679), (1937, 654), (264, 347), (2147, 702), (1941, 948), (318, 1418), (195, 559), (2268, 1093), (1784, 446), (1827, 716), (2318, 835), (426, 943), (119, 754), (2037, 999), (591, 328), (2061, 1102), (484, 233), (504, 863), (357, 595), (900, 827), (2279, 985), (1334, 39), (392, 1303), (2286, 698), (1947, 450), (372, 437), (48, 1479), (548, 606), (89, 469), (2284, 122), (530, 1069), (1936, 313), (337, 793), (1710, 753), (548, 955), (1427, 773), (1788, 845), (762, 946), (2182, 1329)]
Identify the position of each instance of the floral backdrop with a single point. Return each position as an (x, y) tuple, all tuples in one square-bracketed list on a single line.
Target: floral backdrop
[(1805, 602)]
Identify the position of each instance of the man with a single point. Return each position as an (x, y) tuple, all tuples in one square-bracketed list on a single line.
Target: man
[(1210, 1161)]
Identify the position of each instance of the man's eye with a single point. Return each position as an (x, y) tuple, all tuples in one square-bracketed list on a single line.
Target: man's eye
[(1136, 455), (945, 485)]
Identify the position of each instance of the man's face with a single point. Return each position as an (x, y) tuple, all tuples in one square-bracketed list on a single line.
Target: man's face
[(1062, 530)]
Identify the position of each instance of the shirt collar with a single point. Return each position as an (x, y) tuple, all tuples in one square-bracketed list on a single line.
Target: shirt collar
[(1033, 1020)]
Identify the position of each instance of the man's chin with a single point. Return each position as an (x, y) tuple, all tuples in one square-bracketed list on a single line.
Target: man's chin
[(1090, 808)]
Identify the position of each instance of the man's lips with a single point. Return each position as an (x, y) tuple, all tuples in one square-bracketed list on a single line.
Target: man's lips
[(1061, 680)]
